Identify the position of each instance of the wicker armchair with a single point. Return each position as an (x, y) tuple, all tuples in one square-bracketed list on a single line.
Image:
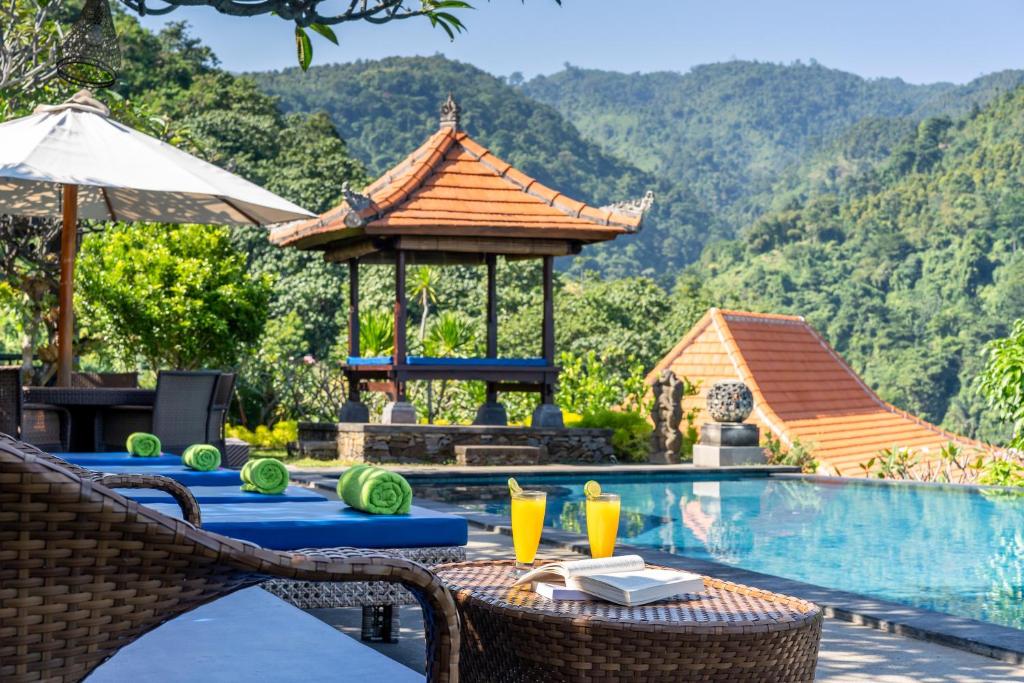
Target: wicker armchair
[(84, 572), (180, 414), (219, 405), (42, 425)]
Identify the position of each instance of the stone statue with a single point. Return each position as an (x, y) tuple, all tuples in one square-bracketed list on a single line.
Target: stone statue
[(667, 412)]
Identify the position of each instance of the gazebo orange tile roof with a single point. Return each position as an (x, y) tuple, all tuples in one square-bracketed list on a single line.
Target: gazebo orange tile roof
[(454, 187), (803, 390)]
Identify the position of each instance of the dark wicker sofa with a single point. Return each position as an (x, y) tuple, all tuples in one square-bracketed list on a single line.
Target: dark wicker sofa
[(84, 571)]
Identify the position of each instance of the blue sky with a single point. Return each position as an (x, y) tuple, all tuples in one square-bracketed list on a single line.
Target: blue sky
[(917, 40)]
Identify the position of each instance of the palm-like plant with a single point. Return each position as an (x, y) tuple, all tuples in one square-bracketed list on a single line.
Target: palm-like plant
[(376, 333), (450, 335), (424, 280)]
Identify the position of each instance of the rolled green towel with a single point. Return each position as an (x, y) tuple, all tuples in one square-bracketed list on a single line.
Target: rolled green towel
[(202, 457), (265, 475), (143, 445), (376, 490)]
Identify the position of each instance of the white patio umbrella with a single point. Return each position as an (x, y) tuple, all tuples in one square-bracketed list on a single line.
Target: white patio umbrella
[(74, 162)]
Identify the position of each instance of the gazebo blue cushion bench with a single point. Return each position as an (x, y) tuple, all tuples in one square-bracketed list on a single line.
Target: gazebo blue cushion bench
[(453, 362), (115, 459), (291, 526), (226, 494), (181, 474), (249, 636)]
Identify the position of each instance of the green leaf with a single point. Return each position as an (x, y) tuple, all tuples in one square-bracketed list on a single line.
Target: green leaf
[(326, 31), (303, 47)]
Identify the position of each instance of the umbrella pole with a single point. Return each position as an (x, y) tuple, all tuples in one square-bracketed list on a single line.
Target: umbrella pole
[(66, 315)]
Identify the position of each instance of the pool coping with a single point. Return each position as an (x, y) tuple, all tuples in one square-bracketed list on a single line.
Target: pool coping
[(484, 471), (905, 483), (990, 640)]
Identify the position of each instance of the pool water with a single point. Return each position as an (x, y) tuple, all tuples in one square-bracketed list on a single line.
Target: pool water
[(955, 551)]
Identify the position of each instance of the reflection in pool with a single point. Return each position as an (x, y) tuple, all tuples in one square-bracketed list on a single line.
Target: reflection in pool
[(959, 552)]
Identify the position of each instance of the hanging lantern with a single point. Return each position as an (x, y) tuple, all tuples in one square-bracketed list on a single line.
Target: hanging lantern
[(90, 55)]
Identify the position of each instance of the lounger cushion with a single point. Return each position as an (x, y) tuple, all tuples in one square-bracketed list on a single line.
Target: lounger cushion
[(290, 526), (98, 460), (181, 474), (248, 636), (473, 362), (226, 494), (453, 362), (370, 360)]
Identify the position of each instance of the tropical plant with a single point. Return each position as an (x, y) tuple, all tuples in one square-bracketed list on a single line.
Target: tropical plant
[(797, 455), (1001, 381), (450, 335), (173, 296), (631, 432), (423, 288), (1002, 472), (893, 463), (589, 384), (276, 437), (376, 333)]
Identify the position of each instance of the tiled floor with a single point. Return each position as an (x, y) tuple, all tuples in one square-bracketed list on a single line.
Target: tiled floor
[(848, 652)]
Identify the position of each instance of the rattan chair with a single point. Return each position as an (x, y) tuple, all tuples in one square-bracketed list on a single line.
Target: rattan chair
[(105, 380), (180, 415), (45, 426), (84, 572)]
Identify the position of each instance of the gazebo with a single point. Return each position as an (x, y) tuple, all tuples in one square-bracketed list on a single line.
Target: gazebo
[(453, 202)]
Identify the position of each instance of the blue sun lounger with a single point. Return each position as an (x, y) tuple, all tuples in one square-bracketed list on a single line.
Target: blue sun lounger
[(226, 494), (181, 474), (95, 461), (330, 524)]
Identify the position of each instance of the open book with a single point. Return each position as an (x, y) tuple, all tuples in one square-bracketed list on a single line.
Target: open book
[(623, 580)]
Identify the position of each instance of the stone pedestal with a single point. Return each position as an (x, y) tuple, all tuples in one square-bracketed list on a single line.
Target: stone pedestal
[(727, 456), (725, 444), (547, 416), (354, 411), (729, 434), (398, 413), (491, 414)]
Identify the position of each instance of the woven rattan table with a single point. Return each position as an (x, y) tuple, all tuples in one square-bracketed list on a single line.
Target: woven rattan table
[(86, 407), (728, 633)]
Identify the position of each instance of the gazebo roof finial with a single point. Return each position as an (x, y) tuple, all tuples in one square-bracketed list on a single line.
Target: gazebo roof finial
[(450, 111)]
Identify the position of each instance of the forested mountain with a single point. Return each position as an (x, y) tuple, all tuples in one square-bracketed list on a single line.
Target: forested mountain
[(726, 131), (907, 268), (719, 145)]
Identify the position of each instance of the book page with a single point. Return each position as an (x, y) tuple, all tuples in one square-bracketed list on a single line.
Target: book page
[(570, 570)]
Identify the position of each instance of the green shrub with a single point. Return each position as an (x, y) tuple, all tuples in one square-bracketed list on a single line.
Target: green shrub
[(999, 472), (631, 432), (279, 436), (798, 455)]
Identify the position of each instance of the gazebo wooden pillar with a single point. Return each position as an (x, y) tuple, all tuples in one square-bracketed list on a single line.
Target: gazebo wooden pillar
[(452, 202)]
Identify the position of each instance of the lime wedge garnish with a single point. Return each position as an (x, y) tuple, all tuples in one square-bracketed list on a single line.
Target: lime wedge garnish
[(513, 486), (592, 489)]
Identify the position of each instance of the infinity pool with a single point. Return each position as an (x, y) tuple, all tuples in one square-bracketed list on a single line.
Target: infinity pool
[(954, 551)]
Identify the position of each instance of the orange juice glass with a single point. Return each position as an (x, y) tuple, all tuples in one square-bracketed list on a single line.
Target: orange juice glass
[(603, 524), (527, 525)]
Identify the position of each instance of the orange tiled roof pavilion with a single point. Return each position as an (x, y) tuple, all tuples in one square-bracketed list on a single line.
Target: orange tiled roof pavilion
[(802, 389), (453, 202), (453, 195)]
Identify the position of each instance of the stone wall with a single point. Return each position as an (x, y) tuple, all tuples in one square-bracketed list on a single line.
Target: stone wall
[(436, 444)]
